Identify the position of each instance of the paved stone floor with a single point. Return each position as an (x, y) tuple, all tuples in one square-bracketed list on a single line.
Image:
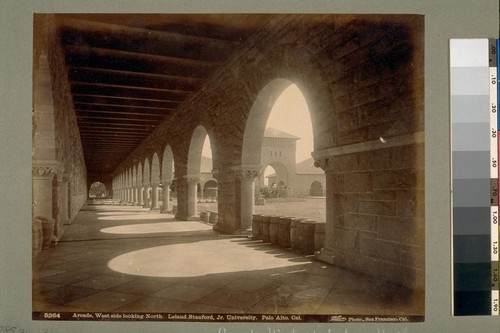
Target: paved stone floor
[(124, 258)]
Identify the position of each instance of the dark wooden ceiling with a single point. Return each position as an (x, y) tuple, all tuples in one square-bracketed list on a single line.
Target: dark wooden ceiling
[(128, 72)]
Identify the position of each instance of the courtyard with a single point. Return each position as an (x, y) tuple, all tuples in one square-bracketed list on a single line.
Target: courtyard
[(312, 208)]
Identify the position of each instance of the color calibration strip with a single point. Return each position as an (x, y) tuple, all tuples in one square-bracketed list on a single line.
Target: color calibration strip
[(474, 121), (494, 175)]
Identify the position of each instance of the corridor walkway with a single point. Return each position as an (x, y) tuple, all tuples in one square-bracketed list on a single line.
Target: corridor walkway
[(128, 259)]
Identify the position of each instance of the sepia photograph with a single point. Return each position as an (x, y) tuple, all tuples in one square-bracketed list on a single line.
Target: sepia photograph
[(228, 167)]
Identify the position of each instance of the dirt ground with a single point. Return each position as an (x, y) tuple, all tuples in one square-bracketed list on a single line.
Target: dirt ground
[(312, 208)]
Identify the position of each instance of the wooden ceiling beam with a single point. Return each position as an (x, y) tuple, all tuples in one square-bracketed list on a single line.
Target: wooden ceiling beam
[(124, 86), (118, 118), (127, 92), (134, 62), (146, 41), (123, 113), (125, 100), (111, 128), (76, 75), (91, 106), (90, 123)]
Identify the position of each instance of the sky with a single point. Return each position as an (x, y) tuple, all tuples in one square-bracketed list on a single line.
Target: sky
[(289, 114)]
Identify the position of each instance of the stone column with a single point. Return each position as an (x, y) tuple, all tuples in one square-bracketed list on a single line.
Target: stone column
[(247, 175), (140, 193), (42, 197), (146, 196), (167, 206), (57, 204), (135, 191), (202, 192), (154, 196), (63, 187), (192, 196), (42, 190), (327, 252)]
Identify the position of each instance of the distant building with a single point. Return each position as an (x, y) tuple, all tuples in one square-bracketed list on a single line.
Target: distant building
[(303, 178), (278, 150)]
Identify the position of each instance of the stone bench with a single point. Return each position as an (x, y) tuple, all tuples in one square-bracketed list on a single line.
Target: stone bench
[(266, 236), (257, 227), (284, 231)]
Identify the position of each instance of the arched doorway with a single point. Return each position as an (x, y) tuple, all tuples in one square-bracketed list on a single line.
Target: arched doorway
[(210, 190), (199, 142), (97, 190), (146, 182), (167, 175), (155, 181), (279, 120), (316, 189), (273, 182)]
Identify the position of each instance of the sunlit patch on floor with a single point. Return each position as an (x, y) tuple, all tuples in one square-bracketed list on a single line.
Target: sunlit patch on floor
[(189, 260), (152, 228), (138, 216)]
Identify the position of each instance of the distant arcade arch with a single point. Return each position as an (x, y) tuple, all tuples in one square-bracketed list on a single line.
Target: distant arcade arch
[(97, 190), (316, 189), (155, 181), (167, 178), (210, 189), (194, 170)]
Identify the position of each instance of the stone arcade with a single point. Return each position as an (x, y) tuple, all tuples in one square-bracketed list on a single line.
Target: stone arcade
[(123, 99)]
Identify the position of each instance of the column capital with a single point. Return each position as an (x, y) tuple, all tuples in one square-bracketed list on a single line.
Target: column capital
[(192, 179), (324, 163), (44, 171), (247, 171), (166, 182)]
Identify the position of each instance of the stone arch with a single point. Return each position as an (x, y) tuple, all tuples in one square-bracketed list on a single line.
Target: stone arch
[(155, 169), (316, 189), (167, 176), (256, 123), (97, 190), (194, 169), (210, 189), (195, 149), (146, 173), (281, 173), (285, 65), (140, 200), (155, 181), (139, 174), (146, 182), (167, 165), (134, 184)]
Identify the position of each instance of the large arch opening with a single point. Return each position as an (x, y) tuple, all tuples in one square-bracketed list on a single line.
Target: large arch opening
[(210, 191), (97, 190), (316, 189), (279, 132), (140, 200), (167, 178), (199, 170), (146, 182), (155, 181), (273, 182)]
